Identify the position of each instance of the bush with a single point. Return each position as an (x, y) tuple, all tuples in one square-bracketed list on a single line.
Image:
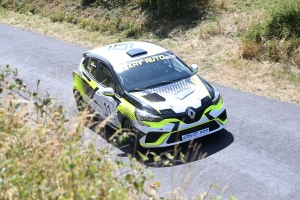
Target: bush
[(115, 16), (284, 21), (133, 30), (43, 157), (278, 37), (87, 2), (249, 49), (177, 9), (57, 16), (107, 4)]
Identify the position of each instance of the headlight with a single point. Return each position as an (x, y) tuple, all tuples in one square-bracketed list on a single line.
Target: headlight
[(217, 97), (145, 116)]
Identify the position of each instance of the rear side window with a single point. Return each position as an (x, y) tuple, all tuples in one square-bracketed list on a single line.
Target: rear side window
[(91, 67)]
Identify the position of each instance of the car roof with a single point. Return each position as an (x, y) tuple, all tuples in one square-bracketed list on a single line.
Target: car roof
[(117, 53)]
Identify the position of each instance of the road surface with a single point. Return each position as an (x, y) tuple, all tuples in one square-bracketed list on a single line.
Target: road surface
[(256, 157)]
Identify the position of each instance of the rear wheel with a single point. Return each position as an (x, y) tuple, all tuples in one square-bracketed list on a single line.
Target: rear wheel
[(79, 101), (89, 116), (134, 137)]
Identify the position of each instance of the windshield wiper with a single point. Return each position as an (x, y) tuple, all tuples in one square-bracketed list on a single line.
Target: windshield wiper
[(162, 83), (137, 89)]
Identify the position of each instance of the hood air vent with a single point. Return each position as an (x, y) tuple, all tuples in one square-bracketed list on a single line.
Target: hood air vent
[(166, 112), (154, 97), (136, 52)]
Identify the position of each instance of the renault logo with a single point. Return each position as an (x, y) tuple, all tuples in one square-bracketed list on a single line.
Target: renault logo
[(191, 113)]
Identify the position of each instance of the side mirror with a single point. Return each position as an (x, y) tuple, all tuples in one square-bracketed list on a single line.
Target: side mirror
[(108, 92), (194, 68)]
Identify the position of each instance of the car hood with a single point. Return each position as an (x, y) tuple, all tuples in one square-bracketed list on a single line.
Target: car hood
[(175, 97)]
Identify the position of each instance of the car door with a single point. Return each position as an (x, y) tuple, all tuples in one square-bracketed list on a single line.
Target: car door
[(107, 104)]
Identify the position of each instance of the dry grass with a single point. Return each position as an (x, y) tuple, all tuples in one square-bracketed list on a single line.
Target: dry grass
[(249, 50), (214, 45), (296, 56), (221, 4), (64, 31)]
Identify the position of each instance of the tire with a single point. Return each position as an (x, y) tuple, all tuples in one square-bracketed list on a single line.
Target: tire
[(134, 137), (80, 104), (91, 119)]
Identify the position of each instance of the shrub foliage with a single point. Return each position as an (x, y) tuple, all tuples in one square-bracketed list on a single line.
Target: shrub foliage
[(162, 8), (43, 157), (278, 37), (131, 17)]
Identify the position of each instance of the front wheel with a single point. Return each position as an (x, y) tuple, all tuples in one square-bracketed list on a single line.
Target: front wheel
[(134, 137)]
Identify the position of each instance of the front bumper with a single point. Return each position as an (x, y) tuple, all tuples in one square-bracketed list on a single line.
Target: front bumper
[(213, 120)]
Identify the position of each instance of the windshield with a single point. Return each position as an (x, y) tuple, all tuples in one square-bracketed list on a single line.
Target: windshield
[(152, 71)]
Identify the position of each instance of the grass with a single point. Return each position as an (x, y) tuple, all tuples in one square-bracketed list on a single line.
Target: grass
[(131, 17), (42, 155), (214, 44)]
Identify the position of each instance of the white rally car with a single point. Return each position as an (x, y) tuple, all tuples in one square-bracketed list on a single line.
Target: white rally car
[(150, 91)]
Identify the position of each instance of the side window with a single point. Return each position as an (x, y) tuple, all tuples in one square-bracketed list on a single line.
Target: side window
[(106, 78), (91, 67)]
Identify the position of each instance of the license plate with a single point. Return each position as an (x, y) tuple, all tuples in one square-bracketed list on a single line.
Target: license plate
[(194, 135)]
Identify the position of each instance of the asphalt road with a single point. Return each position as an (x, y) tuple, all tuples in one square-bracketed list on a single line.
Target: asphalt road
[(256, 157)]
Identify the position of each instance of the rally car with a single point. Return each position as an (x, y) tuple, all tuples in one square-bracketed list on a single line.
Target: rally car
[(148, 90)]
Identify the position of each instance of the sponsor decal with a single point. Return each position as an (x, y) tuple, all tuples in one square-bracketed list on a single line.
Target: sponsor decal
[(194, 135), (121, 46), (147, 60)]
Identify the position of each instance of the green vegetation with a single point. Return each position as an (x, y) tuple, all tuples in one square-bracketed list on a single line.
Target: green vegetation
[(278, 37), (162, 8), (42, 155), (130, 17)]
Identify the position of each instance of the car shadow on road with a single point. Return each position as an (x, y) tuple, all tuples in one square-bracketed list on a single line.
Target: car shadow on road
[(194, 150)]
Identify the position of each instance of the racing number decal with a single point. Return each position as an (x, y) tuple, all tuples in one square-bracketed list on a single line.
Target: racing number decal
[(121, 46), (107, 109)]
